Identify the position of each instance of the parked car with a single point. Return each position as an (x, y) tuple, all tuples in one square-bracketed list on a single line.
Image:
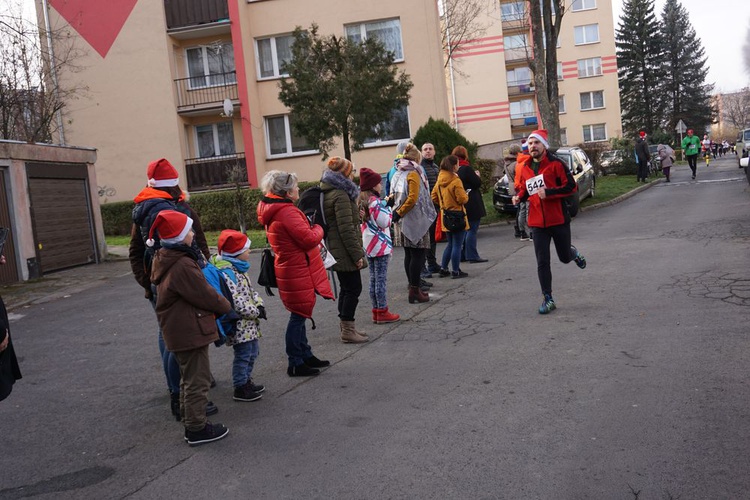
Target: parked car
[(655, 160), (610, 160), (577, 162)]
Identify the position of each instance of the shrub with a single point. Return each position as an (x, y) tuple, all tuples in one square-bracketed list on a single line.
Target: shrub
[(440, 134), (117, 217), (486, 169)]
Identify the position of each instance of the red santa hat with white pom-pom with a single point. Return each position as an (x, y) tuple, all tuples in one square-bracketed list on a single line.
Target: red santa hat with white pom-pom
[(172, 226), (232, 243), (161, 173), (541, 136)]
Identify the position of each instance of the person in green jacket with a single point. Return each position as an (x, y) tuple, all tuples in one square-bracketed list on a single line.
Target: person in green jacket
[(691, 145)]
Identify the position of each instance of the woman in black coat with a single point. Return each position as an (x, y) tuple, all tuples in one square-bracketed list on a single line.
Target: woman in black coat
[(9, 371), (474, 207)]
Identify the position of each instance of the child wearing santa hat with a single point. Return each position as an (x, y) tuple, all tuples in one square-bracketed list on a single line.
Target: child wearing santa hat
[(234, 261), (185, 307)]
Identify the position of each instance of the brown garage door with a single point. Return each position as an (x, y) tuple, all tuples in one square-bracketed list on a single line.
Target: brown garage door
[(61, 214), (8, 272)]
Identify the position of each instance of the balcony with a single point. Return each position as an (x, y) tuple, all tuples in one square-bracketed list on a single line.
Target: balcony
[(519, 54), (523, 122), (516, 89), (187, 19), (216, 172), (515, 23), (200, 94)]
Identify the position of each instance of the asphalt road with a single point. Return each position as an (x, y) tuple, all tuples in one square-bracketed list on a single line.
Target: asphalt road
[(634, 388)]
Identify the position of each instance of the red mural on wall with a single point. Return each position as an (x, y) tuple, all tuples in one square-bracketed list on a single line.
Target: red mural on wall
[(98, 22)]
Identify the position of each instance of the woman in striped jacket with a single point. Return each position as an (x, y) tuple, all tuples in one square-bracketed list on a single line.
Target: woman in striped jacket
[(376, 238)]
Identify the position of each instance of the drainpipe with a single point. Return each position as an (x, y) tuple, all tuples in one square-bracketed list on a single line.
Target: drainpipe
[(53, 72)]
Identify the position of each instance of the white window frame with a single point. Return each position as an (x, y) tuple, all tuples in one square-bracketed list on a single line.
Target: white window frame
[(590, 129), (363, 34), (274, 57), (583, 5), (564, 136), (206, 71), (591, 100), (561, 104), (385, 142), (217, 143), (559, 71), (584, 38), (515, 14), (288, 140), (592, 63), (522, 113), (515, 80)]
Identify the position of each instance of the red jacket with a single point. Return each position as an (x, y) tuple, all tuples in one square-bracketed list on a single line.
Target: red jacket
[(559, 184), (299, 269)]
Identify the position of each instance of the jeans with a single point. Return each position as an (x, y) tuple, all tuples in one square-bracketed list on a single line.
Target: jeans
[(297, 348), (414, 263), (169, 362), (378, 278), (452, 252), (470, 251), (351, 288), (542, 237), (196, 381), (693, 162), (245, 355)]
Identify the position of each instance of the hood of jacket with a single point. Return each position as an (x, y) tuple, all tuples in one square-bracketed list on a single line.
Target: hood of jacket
[(332, 180), (445, 178), (163, 261)]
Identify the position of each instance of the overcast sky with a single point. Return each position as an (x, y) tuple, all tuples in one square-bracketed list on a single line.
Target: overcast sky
[(722, 26)]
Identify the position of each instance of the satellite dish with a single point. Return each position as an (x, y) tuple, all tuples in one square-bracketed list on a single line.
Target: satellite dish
[(228, 107)]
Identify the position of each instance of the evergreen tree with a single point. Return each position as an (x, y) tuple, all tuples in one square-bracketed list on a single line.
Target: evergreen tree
[(639, 67), (688, 96), (440, 134)]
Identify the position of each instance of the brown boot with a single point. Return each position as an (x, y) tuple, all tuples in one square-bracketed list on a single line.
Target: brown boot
[(349, 335), (417, 295)]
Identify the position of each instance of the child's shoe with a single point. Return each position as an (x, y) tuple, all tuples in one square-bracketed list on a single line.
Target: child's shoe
[(255, 388), (211, 432), (383, 316), (244, 393), (548, 305)]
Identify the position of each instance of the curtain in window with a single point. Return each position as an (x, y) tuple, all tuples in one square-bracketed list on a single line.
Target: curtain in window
[(205, 141), (226, 138), (195, 67), (276, 135), (220, 61), (283, 51), (389, 33), (354, 33), (265, 58)]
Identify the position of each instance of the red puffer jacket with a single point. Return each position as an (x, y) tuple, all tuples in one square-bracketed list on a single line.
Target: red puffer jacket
[(299, 269), (559, 184)]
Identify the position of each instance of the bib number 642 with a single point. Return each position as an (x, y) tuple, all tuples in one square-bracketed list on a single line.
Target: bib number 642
[(535, 184)]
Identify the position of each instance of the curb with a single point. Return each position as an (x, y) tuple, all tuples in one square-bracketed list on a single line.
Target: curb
[(622, 197)]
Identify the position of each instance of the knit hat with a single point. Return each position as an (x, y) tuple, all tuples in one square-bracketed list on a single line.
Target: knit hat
[(172, 226), (540, 134), (368, 179), (514, 150), (338, 164), (412, 153), (232, 243), (642, 133), (401, 148), (161, 173)]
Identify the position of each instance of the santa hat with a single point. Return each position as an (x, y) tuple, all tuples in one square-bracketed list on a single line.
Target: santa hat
[(161, 173), (541, 135), (524, 146), (172, 226), (642, 133), (368, 179), (232, 243)]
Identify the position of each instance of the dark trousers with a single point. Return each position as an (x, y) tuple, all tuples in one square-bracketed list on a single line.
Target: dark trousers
[(432, 264), (542, 237), (351, 287), (693, 162), (414, 259), (642, 170)]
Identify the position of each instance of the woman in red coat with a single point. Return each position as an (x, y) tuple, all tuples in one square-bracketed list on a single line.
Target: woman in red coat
[(300, 273)]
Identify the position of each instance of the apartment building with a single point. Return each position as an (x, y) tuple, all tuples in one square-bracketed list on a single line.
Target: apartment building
[(493, 96), (196, 82)]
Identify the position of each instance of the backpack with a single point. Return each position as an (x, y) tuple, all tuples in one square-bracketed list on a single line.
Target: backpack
[(311, 204), (144, 215), (226, 323)]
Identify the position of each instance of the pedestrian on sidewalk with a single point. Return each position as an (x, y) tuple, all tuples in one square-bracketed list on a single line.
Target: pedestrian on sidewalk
[(185, 307), (9, 370), (474, 207), (666, 154), (431, 171), (300, 272), (449, 194), (376, 237), (233, 262), (545, 182), (643, 156)]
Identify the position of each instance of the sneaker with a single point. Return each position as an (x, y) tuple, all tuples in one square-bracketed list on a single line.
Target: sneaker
[(458, 274), (302, 371), (255, 388), (314, 362), (211, 432), (425, 284), (548, 305), (579, 259), (443, 273), (245, 394), (524, 237)]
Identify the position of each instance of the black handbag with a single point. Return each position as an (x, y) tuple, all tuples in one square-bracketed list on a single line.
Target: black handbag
[(267, 276), (454, 220)]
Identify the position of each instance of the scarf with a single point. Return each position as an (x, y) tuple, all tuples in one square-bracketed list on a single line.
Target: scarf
[(463, 163), (417, 221), (191, 251), (338, 181)]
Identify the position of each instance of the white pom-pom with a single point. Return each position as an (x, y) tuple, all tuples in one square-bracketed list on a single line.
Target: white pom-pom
[(151, 182), (150, 242)]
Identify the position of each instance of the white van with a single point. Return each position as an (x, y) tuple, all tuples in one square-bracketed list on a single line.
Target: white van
[(742, 146)]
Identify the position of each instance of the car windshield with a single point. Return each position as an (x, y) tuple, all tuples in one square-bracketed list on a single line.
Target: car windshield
[(564, 157), (747, 136), (609, 155)]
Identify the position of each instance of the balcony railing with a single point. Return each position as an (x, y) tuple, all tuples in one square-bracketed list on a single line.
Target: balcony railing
[(186, 13), (517, 54), (216, 172), (205, 91), (526, 121), (515, 90)]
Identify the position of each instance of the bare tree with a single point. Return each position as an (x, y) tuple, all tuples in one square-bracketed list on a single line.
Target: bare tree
[(746, 51), (32, 103), (735, 108), (461, 21)]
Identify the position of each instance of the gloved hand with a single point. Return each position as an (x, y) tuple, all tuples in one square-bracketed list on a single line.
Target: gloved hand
[(396, 217), (390, 201), (262, 313)]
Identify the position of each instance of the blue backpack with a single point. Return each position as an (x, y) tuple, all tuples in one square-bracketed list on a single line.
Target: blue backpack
[(226, 323)]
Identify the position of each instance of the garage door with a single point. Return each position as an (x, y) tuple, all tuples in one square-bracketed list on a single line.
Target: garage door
[(61, 214)]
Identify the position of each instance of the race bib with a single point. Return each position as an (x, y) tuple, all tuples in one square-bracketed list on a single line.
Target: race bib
[(535, 184)]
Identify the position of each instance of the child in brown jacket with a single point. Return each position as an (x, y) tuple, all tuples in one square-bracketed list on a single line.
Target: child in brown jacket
[(185, 307)]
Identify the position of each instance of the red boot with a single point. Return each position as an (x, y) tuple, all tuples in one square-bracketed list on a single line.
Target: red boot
[(383, 316)]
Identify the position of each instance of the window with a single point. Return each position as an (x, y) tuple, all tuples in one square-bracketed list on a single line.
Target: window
[(281, 139), (519, 76), (211, 65), (592, 100), (397, 128), (388, 32), (272, 54), (589, 67), (563, 136), (583, 5), (561, 104), (588, 33), (522, 109), (513, 11), (215, 139), (596, 132), (516, 46), (559, 71)]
